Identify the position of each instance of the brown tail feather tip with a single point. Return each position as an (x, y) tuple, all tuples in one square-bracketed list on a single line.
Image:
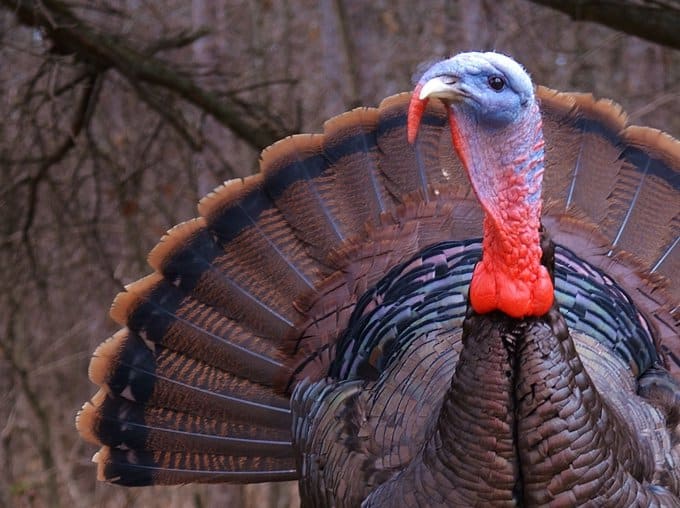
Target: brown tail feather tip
[(612, 116), (100, 457), (86, 419), (606, 111), (658, 143), (287, 150), (175, 238), (100, 364), (584, 104), (227, 194), (367, 117), (399, 101), (125, 301)]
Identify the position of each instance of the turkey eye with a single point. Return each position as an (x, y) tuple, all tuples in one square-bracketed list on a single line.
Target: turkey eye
[(497, 83)]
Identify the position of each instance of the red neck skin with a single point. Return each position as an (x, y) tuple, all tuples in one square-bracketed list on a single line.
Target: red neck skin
[(505, 167)]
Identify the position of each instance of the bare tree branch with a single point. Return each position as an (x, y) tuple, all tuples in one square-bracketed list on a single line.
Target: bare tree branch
[(71, 35), (171, 114), (82, 116), (8, 340), (184, 38), (652, 20)]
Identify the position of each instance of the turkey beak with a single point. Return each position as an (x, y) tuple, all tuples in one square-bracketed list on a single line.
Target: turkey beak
[(441, 87)]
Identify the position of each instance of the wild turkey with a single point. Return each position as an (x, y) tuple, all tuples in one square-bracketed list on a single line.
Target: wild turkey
[(313, 322)]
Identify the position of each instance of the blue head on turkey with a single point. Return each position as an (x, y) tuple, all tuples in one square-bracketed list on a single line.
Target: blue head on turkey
[(338, 319)]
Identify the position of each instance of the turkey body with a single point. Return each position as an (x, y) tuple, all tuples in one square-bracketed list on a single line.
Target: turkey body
[(517, 423), (314, 323)]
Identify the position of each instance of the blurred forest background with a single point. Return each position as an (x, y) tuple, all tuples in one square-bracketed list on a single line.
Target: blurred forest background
[(117, 116)]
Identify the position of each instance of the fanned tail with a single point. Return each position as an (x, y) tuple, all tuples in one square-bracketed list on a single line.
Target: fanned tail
[(625, 179), (193, 388), (613, 196), (249, 298)]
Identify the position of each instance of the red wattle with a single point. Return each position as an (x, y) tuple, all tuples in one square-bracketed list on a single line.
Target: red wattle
[(483, 295), (517, 297)]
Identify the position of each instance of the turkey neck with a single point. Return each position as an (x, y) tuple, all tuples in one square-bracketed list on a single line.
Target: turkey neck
[(505, 167), (522, 422)]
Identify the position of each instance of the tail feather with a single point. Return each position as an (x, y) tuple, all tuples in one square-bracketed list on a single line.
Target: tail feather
[(190, 258), (139, 468), (166, 378), (642, 210), (624, 179), (249, 229), (650, 218), (358, 189), (412, 169), (117, 422), (668, 263), (296, 179), (161, 314), (583, 154)]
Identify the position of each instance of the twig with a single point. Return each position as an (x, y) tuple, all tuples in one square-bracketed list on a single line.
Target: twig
[(81, 118), (71, 35), (184, 38), (172, 115), (43, 439)]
